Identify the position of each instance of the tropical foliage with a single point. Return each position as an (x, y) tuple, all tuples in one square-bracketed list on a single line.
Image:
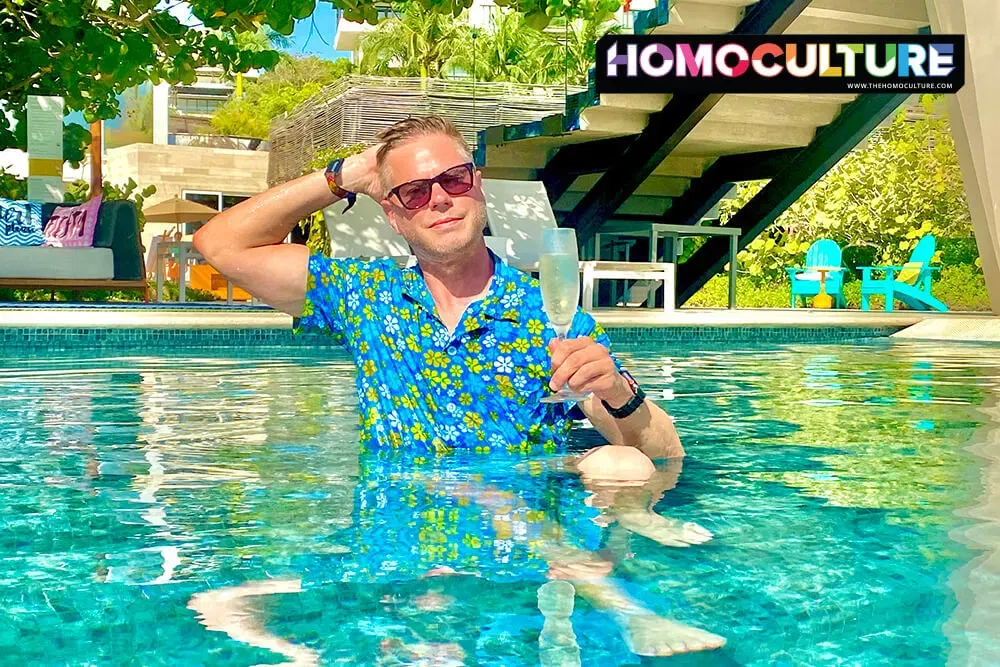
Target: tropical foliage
[(876, 203), (89, 52), (419, 43), (276, 92), (416, 42)]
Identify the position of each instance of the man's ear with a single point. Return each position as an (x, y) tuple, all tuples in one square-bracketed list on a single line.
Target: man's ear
[(390, 213)]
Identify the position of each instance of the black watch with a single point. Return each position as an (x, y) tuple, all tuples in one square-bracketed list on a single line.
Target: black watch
[(632, 404)]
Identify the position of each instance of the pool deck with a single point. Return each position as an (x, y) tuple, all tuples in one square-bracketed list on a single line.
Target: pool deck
[(981, 326)]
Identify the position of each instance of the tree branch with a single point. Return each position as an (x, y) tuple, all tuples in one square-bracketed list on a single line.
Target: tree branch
[(27, 82), (20, 16), (115, 18)]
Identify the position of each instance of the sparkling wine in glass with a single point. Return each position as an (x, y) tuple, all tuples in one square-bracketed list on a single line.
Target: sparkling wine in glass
[(558, 273)]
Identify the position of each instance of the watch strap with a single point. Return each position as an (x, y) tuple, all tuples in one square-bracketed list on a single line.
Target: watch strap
[(638, 396), (331, 173)]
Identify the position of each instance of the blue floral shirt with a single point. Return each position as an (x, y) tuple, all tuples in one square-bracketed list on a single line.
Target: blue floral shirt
[(424, 390)]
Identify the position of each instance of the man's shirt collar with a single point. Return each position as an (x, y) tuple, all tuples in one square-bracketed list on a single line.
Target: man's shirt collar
[(501, 302)]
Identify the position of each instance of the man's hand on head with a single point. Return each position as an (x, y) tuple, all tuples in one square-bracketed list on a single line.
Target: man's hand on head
[(360, 174), (587, 366)]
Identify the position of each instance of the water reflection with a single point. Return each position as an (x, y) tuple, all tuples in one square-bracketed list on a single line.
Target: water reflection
[(449, 519), (829, 477), (973, 627)]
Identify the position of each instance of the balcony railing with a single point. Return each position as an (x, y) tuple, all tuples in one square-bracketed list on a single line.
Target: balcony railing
[(218, 141)]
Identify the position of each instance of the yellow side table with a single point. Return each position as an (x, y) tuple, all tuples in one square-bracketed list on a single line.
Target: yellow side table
[(823, 300)]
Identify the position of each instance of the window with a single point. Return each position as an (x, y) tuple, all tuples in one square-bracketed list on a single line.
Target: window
[(228, 201), (215, 200), (196, 105)]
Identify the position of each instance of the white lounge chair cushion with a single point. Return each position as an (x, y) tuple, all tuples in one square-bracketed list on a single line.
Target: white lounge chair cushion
[(57, 263)]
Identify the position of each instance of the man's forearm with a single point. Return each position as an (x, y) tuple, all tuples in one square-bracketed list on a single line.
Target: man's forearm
[(265, 219), (651, 430)]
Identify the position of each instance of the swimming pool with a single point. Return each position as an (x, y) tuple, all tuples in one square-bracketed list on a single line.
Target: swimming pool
[(844, 485)]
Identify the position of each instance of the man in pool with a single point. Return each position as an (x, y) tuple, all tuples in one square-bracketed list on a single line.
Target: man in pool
[(454, 353), (451, 353)]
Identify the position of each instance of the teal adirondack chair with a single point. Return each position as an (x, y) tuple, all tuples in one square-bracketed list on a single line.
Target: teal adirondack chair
[(805, 281), (910, 283)]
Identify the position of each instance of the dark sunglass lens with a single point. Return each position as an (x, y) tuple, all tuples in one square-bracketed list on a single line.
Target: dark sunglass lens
[(457, 181), (415, 195)]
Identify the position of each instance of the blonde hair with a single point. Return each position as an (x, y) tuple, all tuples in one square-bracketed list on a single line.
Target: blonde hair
[(411, 128)]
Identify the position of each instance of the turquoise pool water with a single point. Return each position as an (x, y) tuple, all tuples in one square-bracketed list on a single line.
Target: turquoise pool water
[(847, 487)]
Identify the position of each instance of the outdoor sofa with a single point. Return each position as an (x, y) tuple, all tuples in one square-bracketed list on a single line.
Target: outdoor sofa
[(114, 262)]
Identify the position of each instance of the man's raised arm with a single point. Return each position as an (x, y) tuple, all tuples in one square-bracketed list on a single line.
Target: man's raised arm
[(246, 242)]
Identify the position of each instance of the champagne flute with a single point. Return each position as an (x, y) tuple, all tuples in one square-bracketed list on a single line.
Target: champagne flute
[(558, 273)]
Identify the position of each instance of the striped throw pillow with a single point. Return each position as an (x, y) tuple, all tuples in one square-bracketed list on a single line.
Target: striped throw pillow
[(20, 223)]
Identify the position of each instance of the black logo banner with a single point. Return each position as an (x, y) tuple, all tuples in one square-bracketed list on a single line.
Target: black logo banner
[(780, 63)]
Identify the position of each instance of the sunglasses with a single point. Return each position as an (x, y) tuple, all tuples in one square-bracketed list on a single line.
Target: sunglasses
[(416, 194)]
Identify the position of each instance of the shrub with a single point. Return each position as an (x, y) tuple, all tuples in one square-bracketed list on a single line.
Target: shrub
[(960, 287), (876, 203)]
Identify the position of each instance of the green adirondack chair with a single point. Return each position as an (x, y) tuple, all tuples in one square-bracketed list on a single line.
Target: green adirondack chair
[(805, 280), (910, 283)]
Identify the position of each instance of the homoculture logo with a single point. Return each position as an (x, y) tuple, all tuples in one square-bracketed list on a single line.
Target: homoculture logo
[(780, 63)]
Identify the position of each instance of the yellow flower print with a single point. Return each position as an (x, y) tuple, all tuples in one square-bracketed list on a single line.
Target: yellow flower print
[(506, 388), (474, 365), (436, 358), (505, 348), (521, 345), (426, 330), (474, 347), (455, 370), (465, 399), (368, 368), (363, 347), (437, 378), (472, 420), (535, 326)]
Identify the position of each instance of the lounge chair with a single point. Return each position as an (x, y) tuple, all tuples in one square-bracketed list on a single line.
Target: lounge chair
[(910, 283), (805, 280), (364, 232), (520, 210)]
